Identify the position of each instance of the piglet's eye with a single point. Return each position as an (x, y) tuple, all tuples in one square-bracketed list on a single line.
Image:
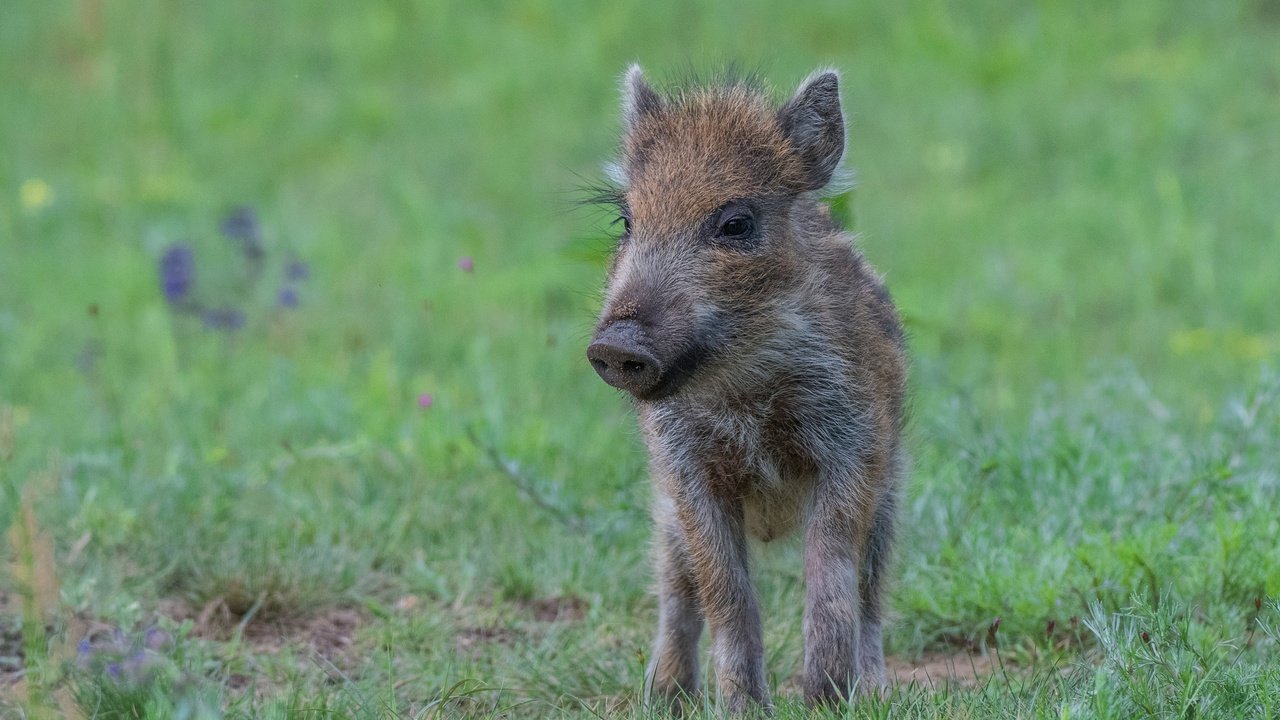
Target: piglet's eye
[(737, 226)]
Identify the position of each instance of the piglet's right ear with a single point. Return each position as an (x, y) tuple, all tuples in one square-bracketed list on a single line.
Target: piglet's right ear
[(814, 123), (638, 99)]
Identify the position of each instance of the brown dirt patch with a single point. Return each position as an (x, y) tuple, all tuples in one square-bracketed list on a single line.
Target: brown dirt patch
[(327, 632), (932, 670), (556, 609), (936, 670), (471, 639)]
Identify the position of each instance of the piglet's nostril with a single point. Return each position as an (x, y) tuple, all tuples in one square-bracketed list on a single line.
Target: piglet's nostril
[(620, 356)]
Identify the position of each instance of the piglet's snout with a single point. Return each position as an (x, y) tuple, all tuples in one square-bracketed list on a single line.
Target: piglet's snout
[(620, 356)]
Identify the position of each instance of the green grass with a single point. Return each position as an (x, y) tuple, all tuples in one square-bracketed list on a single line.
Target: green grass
[(1074, 204)]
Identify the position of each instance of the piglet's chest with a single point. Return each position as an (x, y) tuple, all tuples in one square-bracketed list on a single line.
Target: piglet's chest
[(761, 467)]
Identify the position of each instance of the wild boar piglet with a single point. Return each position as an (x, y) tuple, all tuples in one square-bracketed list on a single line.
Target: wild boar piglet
[(767, 367)]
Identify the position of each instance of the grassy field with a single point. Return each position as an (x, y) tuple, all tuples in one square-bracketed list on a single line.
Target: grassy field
[(295, 418)]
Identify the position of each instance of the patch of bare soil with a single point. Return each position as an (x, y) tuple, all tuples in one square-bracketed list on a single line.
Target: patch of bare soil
[(937, 670), (327, 632), (556, 609), (932, 671), (472, 639)]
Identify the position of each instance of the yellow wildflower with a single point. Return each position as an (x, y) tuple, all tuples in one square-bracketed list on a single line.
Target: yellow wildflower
[(35, 195)]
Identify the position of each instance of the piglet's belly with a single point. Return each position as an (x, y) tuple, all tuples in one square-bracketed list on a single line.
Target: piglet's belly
[(775, 511)]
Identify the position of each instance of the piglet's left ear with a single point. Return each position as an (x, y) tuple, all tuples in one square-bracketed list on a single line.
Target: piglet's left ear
[(814, 123)]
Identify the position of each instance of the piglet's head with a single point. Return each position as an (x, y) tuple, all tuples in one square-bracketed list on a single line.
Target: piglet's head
[(709, 181)]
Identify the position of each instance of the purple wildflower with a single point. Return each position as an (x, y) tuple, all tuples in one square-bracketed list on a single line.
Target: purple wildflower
[(288, 298), (425, 401), (466, 264), (156, 639), (84, 648), (177, 273), (137, 667), (223, 318), (113, 670), (241, 226), (297, 270)]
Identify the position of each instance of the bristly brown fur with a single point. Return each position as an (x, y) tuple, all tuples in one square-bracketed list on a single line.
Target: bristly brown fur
[(769, 374), (730, 133)]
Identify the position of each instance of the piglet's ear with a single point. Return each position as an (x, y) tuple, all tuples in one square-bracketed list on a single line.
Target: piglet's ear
[(813, 122), (638, 99)]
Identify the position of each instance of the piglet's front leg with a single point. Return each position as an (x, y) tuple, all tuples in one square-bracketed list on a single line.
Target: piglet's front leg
[(672, 677), (831, 614), (715, 538)]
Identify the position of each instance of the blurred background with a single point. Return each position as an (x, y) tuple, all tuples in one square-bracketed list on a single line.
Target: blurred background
[(294, 296)]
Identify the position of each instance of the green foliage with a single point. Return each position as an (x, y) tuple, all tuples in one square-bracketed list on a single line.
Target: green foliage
[(1073, 203), (1161, 663)]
